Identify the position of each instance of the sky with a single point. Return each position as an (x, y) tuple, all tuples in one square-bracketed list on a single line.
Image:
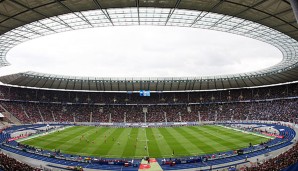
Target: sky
[(141, 51)]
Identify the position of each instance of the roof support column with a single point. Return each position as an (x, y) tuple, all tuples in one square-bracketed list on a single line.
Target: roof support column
[(294, 4)]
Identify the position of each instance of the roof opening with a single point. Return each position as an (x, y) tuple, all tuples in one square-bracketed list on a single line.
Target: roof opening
[(142, 51)]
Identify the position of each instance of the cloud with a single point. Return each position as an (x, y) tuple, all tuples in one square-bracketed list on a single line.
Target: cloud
[(142, 51)]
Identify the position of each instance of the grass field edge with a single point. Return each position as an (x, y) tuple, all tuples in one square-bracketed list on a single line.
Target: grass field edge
[(247, 132), (42, 134)]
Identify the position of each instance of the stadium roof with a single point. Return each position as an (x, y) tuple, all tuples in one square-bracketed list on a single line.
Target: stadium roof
[(269, 21)]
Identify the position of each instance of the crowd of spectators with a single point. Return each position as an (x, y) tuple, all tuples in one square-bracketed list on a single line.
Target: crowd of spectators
[(278, 110), (34, 105), (11, 164), (279, 103), (39, 95), (280, 162)]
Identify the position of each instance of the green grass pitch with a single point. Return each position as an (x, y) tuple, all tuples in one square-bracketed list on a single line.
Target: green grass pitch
[(140, 142)]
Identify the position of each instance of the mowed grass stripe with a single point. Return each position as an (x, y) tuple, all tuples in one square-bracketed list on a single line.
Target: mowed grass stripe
[(53, 136), (100, 140), (51, 141), (164, 147), (83, 144), (174, 143), (232, 136), (154, 148), (69, 134), (130, 147), (196, 139), (141, 143), (72, 143), (241, 137), (101, 136), (192, 148), (221, 143), (87, 142), (105, 147), (203, 137), (225, 138), (122, 137)]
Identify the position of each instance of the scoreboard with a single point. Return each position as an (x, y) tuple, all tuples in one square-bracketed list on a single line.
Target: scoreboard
[(144, 92)]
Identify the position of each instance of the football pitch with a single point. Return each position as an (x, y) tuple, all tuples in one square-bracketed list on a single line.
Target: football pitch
[(140, 142)]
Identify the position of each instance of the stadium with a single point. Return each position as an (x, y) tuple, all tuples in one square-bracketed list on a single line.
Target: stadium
[(241, 121)]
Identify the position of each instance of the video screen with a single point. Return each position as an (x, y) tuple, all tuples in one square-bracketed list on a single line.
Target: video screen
[(144, 92)]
